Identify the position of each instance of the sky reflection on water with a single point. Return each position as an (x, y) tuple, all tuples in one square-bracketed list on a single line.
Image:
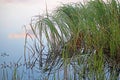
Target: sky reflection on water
[(14, 14)]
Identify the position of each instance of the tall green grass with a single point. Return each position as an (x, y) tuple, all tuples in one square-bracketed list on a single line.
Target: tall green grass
[(85, 37)]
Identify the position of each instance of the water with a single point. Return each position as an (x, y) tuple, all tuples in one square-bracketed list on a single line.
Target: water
[(13, 18)]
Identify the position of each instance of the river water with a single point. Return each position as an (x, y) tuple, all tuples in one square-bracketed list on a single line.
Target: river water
[(14, 15)]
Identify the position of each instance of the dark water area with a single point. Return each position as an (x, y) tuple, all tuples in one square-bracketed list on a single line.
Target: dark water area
[(19, 70), (14, 67)]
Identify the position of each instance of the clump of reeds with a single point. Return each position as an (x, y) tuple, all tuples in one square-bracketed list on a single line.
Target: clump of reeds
[(85, 37)]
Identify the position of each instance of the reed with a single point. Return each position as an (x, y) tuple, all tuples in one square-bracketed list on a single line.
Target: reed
[(85, 37)]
